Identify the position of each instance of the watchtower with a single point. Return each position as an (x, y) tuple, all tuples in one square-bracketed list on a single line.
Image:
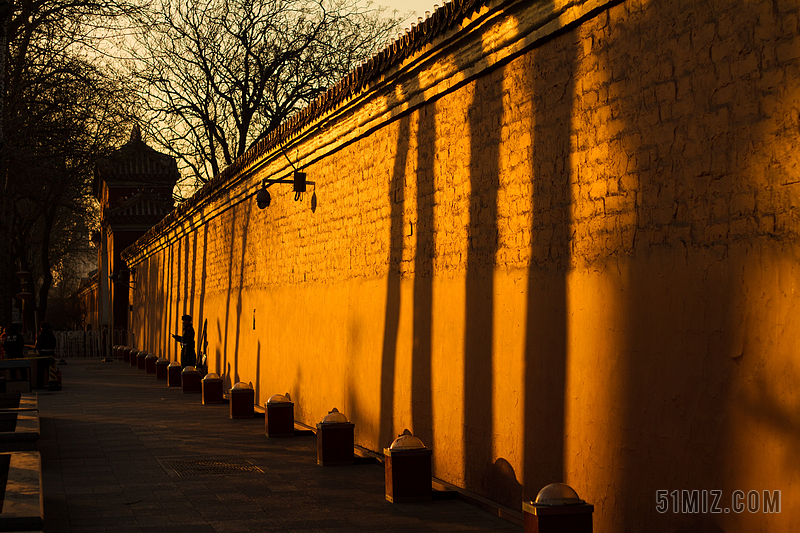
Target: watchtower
[(134, 186)]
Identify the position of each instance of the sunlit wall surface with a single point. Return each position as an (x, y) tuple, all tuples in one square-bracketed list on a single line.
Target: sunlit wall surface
[(559, 244)]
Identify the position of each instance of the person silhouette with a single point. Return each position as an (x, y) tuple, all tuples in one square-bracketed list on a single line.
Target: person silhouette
[(188, 356)]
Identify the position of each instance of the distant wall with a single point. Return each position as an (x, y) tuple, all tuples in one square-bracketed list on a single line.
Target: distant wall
[(559, 244), (88, 294)]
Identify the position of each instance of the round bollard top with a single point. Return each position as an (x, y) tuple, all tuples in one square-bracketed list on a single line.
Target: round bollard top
[(134, 351), (188, 369), (211, 376), (174, 363), (162, 359), (152, 356), (556, 494), (278, 398), (241, 385), (334, 417), (143, 353), (407, 441)]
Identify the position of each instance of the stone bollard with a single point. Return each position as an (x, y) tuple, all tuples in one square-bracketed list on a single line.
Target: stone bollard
[(335, 440), (161, 368), (150, 363), (557, 509), (279, 416), (132, 356), (140, 360), (242, 400), (407, 463), (174, 374), (126, 354), (211, 385), (115, 351), (190, 380)]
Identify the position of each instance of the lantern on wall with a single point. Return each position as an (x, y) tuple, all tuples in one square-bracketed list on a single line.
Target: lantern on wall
[(299, 185)]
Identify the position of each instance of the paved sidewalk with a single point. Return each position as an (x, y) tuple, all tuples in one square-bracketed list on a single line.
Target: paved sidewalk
[(114, 439)]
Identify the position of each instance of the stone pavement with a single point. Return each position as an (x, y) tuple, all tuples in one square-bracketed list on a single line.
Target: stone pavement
[(121, 451)]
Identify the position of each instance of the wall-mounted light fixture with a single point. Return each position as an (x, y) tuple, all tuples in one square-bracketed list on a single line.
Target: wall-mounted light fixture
[(298, 181), (119, 277)]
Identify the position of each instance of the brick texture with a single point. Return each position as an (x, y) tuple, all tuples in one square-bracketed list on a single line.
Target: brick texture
[(624, 191)]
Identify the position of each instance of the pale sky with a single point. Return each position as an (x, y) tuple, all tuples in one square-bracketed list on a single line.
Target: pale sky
[(402, 6)]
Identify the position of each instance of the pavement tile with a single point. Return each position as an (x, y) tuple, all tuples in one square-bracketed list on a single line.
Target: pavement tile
[(107, 438), (178, 528), (118, 528)]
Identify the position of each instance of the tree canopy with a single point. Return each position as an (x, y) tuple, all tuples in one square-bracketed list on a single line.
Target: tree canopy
[(204, 80), (62, 108), (216, 76)]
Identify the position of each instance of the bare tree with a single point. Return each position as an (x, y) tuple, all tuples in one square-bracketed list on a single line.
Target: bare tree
[(60, 111), (219, 75), (6, 8), (72, 116)]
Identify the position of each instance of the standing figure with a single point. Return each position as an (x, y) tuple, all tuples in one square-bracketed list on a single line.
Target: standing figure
[(46, 341), (188, 357)]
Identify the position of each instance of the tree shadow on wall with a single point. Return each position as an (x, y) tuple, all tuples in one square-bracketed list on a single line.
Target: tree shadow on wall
[(392, 316), (201, 293), (170, 306), (152, 311), (551, 83), (485, 117), (421, 393), (686, 276), (241, 212), (190, 252), (684, 297), (423, 230)]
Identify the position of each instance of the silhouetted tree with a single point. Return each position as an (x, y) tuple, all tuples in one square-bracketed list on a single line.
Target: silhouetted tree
[(5, 204), (222, 74), (71, 117), (61, 110)]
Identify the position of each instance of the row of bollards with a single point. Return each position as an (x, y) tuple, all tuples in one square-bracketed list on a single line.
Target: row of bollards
[(407, 462)]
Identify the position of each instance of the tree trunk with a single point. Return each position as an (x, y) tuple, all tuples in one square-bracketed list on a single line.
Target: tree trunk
[(6, 270), (47, 274)]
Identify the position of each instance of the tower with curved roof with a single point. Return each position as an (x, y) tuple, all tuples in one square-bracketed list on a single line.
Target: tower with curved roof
[(134, 187)]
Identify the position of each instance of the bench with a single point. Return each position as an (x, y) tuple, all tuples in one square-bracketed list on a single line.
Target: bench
[(19, 430), (20, 464), (19, 422), (21, 488), (10, 399), (17, 367)]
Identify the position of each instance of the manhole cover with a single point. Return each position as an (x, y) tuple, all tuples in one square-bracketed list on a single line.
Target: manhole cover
[(212, 467)]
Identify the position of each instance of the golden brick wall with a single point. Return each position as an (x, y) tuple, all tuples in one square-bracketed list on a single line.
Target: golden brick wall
[(563, 256)]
